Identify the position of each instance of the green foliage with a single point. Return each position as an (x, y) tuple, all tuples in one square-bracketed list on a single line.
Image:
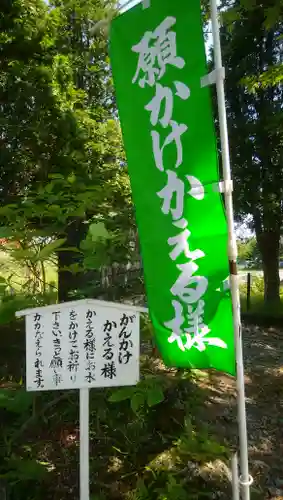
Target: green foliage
[(248, 254), (141, 438), (17, 466), (147, 393), (246, 249), (142, 492), (50, 248), (98, 232), (257, 285), (10, 303), (98, 246), (258, 308), (199, 447), (16, 401), (173, 490), (251, 44), (24, 470), (61, 156), (169, 484), (269, 78)]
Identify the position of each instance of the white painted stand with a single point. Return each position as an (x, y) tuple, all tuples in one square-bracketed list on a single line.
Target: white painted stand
[(217, 76), (235, 477), (84, 444)]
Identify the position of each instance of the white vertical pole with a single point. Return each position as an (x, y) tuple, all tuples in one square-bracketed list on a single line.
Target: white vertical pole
[(245, 479), (84, 444), (235, 477)]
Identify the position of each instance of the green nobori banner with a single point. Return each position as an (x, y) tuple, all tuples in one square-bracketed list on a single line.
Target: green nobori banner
[(158, 60)]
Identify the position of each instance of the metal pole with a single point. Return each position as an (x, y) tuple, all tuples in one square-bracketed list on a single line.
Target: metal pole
[(84, 444), (235, 477), (245, 479)]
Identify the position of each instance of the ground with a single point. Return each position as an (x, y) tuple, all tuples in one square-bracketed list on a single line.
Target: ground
[(263, 354), (179, 439)]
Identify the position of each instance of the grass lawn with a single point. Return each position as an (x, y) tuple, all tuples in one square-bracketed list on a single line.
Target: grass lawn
[(257, 305), (17, 273)]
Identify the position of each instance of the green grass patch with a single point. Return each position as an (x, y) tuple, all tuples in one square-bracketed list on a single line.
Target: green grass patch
[(257, 304), (18, 274)]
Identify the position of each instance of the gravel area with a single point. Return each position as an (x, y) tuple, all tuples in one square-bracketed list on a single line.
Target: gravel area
[(263, 356)]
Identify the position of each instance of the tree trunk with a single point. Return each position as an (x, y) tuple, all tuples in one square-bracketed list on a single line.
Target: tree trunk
[(69, 282), (268, 243)]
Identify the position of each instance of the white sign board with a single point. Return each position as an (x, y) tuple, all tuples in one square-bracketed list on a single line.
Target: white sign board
[(81, 344)]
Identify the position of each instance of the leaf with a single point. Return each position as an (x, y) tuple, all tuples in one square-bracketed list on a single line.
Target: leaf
[(229, 16), (121, 394), (142, 491), (216, 342), (78, 212), (272, 16), (72, 268), (137, 400), (155, 396), (27, 254), (16, 401), (98, 232), (6, 232), (92, 262), (26, 469), (54, 209), (71, 249), (71, 178), (56, 176), (50, 248)]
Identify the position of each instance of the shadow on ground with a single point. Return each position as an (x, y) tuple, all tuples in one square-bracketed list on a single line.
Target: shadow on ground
[(177, 449), (263, 355)]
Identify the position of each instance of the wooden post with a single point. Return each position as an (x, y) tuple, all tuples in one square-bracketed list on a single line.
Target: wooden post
[(249, 291)]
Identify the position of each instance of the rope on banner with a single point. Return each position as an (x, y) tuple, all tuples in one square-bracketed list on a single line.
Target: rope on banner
[(215, 76), (104, 23), (226, 187), (125, 5)]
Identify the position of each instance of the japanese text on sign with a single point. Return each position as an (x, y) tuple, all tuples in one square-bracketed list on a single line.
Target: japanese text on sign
[(81, 346)]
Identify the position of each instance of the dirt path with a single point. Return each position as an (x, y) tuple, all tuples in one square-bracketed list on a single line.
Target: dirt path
[(263, 354)]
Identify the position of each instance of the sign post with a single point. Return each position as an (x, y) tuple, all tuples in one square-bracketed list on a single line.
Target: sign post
[(84, 444), (82, 345)]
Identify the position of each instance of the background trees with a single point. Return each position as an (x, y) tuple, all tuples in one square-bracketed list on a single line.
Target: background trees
[(62, 163), (252, 53)]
